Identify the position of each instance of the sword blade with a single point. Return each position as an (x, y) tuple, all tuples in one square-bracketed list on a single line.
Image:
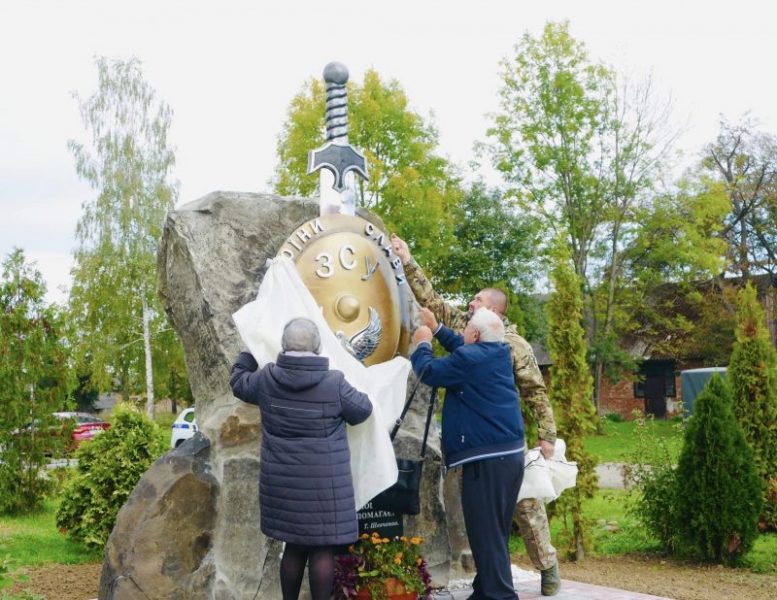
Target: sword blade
[(333, 202)]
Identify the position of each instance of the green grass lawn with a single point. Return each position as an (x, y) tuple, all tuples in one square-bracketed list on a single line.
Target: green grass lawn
[(619, 440), (608, 507), (33, 540)]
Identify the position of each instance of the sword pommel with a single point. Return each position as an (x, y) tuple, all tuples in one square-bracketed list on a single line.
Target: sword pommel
[(336, 72)]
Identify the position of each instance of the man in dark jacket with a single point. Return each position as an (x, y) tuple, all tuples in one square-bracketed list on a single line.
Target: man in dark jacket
[(530, 513), (305, 488), (482, 431)]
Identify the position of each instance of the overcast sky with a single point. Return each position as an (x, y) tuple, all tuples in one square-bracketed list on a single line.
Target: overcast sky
[(229, 69)]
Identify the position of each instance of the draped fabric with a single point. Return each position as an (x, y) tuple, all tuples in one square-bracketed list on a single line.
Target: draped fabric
[(283, 296)]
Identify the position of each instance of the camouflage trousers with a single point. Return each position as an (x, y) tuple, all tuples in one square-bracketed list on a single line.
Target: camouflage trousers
[(532, 521)]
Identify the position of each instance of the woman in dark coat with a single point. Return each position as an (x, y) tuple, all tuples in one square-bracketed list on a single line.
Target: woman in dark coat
[(305, 488)]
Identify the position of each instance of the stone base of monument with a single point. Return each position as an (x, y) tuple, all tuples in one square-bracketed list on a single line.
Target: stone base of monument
[(190, 529)]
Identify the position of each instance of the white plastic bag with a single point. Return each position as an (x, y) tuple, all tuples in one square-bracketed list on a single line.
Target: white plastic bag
[(546, 479)]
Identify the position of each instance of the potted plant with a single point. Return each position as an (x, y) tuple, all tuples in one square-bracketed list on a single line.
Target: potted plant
[(380, 568)]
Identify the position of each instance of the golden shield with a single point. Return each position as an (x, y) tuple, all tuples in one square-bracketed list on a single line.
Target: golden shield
[(350, 269)]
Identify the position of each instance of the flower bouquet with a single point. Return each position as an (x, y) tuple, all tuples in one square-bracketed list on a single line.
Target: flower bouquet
[(380, 568)]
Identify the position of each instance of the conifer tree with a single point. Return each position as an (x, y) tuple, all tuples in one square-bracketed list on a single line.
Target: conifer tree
[(752, 374), (34, 383), (571, 389), (720, 493)]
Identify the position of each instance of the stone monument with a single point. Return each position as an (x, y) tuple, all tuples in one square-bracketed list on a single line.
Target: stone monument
[(190, 529)]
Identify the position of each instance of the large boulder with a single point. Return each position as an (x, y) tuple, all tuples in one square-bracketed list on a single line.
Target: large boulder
[(163, 534), (211, 262)]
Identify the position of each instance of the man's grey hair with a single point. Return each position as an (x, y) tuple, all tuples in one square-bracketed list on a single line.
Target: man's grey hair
[(488, 324), (301, 335)]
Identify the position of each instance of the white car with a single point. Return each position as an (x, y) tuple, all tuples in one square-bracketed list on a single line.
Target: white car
[(184, 427)]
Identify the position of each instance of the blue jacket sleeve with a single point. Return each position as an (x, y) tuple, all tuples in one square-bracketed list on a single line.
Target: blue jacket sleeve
[(355, 405), (244, 378), (439, 372), (449, 339)]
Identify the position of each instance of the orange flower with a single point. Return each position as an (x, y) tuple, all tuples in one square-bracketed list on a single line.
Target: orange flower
[(398, 559), (416, 540)]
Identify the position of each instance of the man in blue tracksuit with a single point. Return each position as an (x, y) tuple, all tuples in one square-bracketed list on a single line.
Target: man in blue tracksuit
[(482, 431)]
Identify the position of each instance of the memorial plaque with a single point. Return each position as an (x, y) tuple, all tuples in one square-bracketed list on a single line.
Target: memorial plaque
[(385, 522)]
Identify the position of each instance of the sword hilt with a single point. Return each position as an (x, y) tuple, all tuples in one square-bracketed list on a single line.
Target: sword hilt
[(336, 76)]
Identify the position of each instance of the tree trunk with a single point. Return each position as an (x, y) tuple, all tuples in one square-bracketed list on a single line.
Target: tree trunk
[(598, 373), (149, 363), (578, 527), (608, 314)]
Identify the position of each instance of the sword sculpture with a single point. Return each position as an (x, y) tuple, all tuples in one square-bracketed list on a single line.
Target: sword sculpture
[(337, 160)]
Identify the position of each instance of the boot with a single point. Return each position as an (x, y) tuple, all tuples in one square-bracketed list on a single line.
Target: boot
[(550, 581)]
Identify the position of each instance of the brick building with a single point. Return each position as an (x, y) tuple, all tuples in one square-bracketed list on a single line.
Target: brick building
[(655, 389)]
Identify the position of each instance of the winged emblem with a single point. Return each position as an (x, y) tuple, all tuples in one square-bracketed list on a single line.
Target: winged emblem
[(363, 342)]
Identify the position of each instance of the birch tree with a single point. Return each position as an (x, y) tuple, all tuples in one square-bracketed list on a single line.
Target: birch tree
[(580, 147), (127, 160)]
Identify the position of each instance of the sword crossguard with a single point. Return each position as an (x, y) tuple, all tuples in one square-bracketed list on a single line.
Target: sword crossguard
[(337, 155)]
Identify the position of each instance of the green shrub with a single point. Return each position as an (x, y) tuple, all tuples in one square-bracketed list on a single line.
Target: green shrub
[(653, 479), (109, 467), (719, 490)]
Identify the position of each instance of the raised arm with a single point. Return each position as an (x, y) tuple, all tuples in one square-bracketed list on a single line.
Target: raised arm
[(438, 372), (449, 339), (243, 378), (356, 406), (422, 288)]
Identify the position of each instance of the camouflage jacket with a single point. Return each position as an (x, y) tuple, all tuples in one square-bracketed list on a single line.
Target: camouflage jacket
[(525, 369)]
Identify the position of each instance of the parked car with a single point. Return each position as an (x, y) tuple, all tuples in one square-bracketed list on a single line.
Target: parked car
[(184, 427), (82, 426), (64, 432)]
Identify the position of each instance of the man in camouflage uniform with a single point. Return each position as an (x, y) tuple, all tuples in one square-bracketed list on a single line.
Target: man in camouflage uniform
[(530, 512)]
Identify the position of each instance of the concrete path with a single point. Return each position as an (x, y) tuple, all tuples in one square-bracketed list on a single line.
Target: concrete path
[(527, 585), (610, 475)]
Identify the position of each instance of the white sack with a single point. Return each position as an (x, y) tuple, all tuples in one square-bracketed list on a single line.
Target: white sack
[(283, 296), (546, 479)]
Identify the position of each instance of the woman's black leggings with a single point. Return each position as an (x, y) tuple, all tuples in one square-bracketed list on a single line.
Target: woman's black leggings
[(321, 570)]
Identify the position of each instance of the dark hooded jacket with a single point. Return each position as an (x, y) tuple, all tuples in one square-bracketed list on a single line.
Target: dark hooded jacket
[(305, 486)]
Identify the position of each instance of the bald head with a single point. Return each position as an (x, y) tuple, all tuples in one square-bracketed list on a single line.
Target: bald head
[(499, 302), (493, 299)]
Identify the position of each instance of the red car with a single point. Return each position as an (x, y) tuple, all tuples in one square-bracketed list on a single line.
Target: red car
[(84, 426)]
